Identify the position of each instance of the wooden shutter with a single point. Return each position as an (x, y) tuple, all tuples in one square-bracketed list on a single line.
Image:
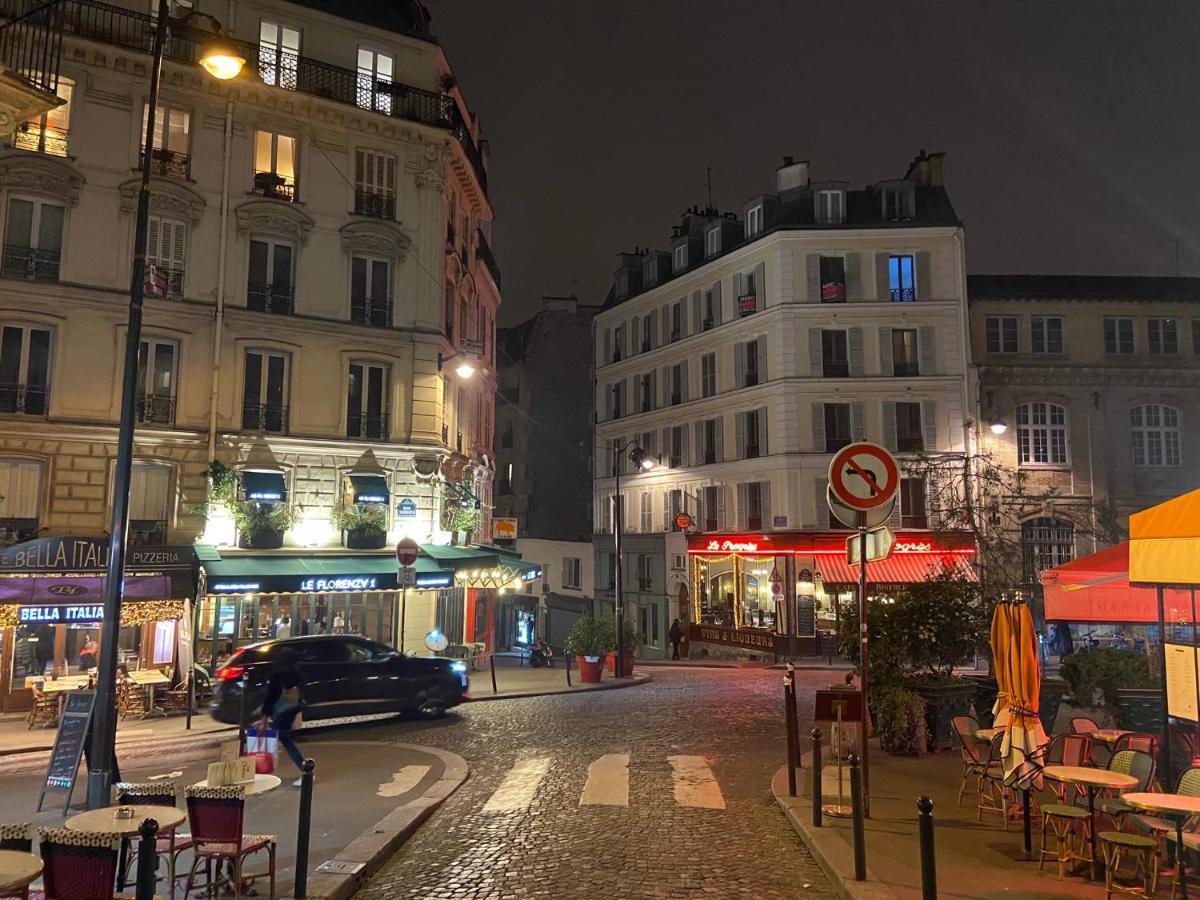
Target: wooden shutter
[(761, 345), (882, 287), (740, 435), (889, 425), (666, 386), (653, 376), (665, 315), (818, 427), (929, 423), (171, 249), (887, 366), (683, 315), (924, 274), (853, 271), (815, 366), (743, 501), (606, 358), (683, 381), (925, 349), (666, 446), (762, 431), (814, 278), (720, 492), (822, 500), (718, 313), (894, 520), (739, 365), (719, 445), (701, 448), (854, 342), (697, 313), (153, 238), (684, 456), (739, 287), (760, 286), (654, 336), (764, 504), (668, 525), (858, 420)]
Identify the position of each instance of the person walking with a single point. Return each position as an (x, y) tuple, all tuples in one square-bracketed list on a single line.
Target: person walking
[(676, 636), (283, 708)]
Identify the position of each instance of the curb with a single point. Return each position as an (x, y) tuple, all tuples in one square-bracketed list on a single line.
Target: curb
[(367, 853), (632, 681)]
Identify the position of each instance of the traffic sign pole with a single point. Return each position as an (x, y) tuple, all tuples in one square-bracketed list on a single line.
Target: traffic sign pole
[(407, 551), (862, 652)]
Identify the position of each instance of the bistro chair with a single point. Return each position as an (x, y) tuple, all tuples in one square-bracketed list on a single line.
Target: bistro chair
[(18, 837), (78, 865), (177, 699), (1083, 725), (1117, 847), (971, 749), (169, 843), (44, 711), (992, 791), (1071, 828), (1069, 750), (216, 816), (1140, 741), (1128, 762), (131, 698)]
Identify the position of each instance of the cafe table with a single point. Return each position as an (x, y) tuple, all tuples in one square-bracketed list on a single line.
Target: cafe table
[(987, 734), (1091, 779), (1108, 736), (150, 679), (1177, 807), (260, 785), (18, 870), (105, 821)]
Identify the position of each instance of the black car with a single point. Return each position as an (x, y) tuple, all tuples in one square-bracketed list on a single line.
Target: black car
[(342, 675)]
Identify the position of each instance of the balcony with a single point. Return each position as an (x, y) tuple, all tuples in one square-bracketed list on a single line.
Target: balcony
[(33, 137), (15, 530), (835, 368), (903, 294), (268, 184), (168, 163), (147, 532), (753, 451), (164, 281), (483, 252), (365, 311), (905, 369), (268, 418), (279, 299), (23, 399), (372, 427), (375, 204), (31, 47), (156, 409), (29, 264)]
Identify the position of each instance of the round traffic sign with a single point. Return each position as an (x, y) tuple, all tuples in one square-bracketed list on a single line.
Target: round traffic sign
[(864, 476), (855, 518), (407, 551)]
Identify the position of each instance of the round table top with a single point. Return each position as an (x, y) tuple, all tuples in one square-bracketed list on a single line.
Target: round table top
[(18, 870), (260, 785), (1177, 804), (1090, 776), (1108, 735), (987, 734), (103, 821)]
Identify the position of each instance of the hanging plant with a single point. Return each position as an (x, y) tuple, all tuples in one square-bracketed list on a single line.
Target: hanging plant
[(361, 518), (464, 518)]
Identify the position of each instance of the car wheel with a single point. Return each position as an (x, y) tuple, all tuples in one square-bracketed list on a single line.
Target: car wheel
[(433, 707)]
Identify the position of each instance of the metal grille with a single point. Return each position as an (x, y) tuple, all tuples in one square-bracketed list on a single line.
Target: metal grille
[(270, 298), (168, 163), (376, 204), (1046, 542), (30, 264), (156, 409), (372, 427), (364, 311), (31, 44), (23, 399), (257, 417)]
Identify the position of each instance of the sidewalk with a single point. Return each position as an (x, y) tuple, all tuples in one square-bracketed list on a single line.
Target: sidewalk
[(974, 860), (513, 683)]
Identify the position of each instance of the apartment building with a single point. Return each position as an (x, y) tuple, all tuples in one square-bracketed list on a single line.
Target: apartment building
[(320, 273), (755, 346)]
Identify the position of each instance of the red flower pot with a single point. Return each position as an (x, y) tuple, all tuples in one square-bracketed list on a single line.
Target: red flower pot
[(610, 662), (589, 672)]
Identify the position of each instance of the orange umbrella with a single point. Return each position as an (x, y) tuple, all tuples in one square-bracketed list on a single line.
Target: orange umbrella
[(1001, 631), (1015, 657)]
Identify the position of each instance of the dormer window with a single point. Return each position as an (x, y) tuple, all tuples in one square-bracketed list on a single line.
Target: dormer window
[(754, 221), (681, 257), (650, 269), (898, 203), (712, 242), (830, 207)]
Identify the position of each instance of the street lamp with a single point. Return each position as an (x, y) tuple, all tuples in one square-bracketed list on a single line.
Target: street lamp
[(643, 462), (998, 426), (220, 58), (465, 369)]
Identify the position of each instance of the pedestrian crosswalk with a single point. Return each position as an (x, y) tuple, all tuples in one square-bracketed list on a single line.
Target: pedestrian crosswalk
[(607, 784)]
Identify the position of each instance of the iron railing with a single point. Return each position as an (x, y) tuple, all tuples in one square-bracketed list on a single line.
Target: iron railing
[(268, 184), (483, 252), (169, 282), (37, 138), (31, 42), (30, 264), (156, 409), (168, 163), (264, 417), (147, 532), (365, 311), (376, 204), (366, 425), (24, 399), (272, 298), (15, 530)]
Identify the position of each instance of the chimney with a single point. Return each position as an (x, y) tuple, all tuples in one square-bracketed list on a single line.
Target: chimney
[(791, 175), (926, 169)]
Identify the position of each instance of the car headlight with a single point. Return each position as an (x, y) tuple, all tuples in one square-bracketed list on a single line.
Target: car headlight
[(458, 667)]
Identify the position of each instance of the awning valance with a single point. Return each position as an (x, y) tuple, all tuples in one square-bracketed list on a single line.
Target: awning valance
[(1096, 588), (899, 568), (89, 589), (317, 574), (264, 487), (1164, 545), (368, 489)]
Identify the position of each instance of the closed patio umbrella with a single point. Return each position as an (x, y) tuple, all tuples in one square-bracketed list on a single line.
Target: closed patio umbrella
[(1015, 656)]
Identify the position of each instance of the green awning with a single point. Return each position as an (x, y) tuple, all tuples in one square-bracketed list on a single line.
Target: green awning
[(316, 574), (456, 558)]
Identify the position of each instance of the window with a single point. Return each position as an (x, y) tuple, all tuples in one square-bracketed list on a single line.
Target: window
[(48, 132), (615, 391), (1047, 334), (1041, 434), (645, 571), (506, 438), (1001, 334), (831, 207), (754, 501), (1046, 542), (647, 383), (24, 369), (618, 345), (674, 506), (753, 428), (678, 383), (264, 398), (713, 502), (460, 418), (1163, 336), (278, 55), (751, 373), (156, 382), (905, 362), (647, 332), (712, 310), (912, 503), (1155, 435), (676, 320), (171, 152), (616, 459), (366, 401), (748, 301), (374, 184), (708, 375), (835, 353), (32, 240), (681, 257), (165, 242), (149, 504), (712, 242), (275, 165), (902, 280), (909, 437), (675, 450), (833, 279), (897, 203), (754, 221), (645, 521), (448, 313), (374, 81), (20, 500), (1118, 335), (270, 288), (837, 426), (572, 573), (370, 292)]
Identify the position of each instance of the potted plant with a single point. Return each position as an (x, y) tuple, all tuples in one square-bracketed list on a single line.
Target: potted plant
[(632, 639), (261, 526), (1118, 682), (363, 525), (588, 641)]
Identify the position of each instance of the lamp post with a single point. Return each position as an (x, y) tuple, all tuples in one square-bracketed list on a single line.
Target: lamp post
[(643, 461), (221, 60)]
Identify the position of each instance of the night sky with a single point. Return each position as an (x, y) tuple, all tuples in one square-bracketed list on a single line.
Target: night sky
[(1071, 129)]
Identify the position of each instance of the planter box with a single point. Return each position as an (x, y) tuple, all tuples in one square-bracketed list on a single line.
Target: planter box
[(590, 670), (365, 539), (1053, 691), (1141, 709), (610, 662), (943, 703), (263, 539), (986, 691)]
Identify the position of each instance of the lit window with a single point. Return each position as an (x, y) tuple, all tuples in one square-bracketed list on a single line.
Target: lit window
[(278, 55), (374, 80), (171, 128), (48, 132), (902, 284), (275, 165), (1155, 431), (1041, 434)]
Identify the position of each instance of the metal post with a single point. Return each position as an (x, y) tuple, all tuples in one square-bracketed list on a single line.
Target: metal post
[(567, 666), (147, 860), (863, 734), (790, 716), (492, 663), (856, 803), (1168, 770), (817, 774), (303, 826), (104, 731), (242, 719), (619, 581), (928, 861), (403, 611), (1028, 817)]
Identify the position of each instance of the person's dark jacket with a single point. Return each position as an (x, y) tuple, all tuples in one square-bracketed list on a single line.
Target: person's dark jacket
[(281, 681), (676, 633)]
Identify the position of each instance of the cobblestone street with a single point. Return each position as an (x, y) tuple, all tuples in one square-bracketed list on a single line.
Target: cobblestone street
[(700, 820)]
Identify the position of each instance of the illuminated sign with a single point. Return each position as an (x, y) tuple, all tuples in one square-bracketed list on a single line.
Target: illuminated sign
[(359, 583), (265, 495), (532, 574), (66, 590), (435, 579), (235, 587), (912, 547), (407, 508), (733, 546), (55, 614), (370, 498)]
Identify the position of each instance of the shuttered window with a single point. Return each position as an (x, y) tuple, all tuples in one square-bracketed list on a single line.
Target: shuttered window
[(374, 184), (165, 243)]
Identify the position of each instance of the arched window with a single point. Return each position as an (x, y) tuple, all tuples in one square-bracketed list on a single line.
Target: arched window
[(1041, 434), (1155, 430), (1046, 542)]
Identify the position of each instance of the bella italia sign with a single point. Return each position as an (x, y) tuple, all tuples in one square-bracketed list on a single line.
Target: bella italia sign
[(76, 554)]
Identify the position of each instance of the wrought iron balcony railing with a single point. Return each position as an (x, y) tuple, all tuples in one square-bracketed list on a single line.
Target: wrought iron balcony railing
[(31, 42), (272, 298), (30, 264), (483, 252), (169, 163), (365, 425), (268, 184), (24, 399), (259, 417), (16, 530), (32, 136), (156, 409), (147, 532), (164, 281), (365, 311), (376, 204)]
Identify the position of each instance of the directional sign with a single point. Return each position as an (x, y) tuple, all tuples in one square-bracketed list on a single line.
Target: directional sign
[(407, 577), (879, 545), (856, 518), (864, 476)]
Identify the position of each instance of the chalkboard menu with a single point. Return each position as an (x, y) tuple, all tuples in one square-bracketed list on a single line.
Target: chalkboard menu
[(806, 613), (68, 745)]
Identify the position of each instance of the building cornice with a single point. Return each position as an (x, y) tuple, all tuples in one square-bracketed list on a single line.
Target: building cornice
[(1088, 376)]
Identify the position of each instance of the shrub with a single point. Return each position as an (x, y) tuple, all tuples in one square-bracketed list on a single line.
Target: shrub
[(900, 718), (588, 637), (1105, 670)]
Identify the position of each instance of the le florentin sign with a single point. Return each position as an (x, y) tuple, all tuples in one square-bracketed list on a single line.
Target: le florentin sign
[(764, 641)]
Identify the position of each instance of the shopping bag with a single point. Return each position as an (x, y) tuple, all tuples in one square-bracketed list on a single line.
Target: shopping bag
[(263, 747)]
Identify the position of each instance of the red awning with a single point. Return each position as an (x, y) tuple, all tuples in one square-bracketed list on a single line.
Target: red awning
[(899, 568), (1096, 588)]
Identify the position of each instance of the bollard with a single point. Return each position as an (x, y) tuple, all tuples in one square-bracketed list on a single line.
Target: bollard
[(492, 661), (147, 860), (928, 863), (856, 804), (789, 709), (302, 828), (817, 799), (242, 719), (567, 660)]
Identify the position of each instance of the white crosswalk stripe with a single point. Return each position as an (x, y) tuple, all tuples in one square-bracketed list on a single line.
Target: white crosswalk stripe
[(519, 785), (607, 781), (694, 782)]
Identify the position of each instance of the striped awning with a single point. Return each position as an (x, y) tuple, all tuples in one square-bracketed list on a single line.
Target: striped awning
[(899, 568)]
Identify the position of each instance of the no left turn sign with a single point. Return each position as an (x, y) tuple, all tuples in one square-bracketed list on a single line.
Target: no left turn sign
[(864, 476)]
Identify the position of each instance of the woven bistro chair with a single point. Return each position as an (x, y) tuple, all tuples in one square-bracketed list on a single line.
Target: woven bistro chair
[(169, 843), (1069, 750), (993, 794), (1128, 762), (77, 865), (974, 759), (18, 837), (216, 816), (1084, 725), (44, 711), (1117, 847)]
